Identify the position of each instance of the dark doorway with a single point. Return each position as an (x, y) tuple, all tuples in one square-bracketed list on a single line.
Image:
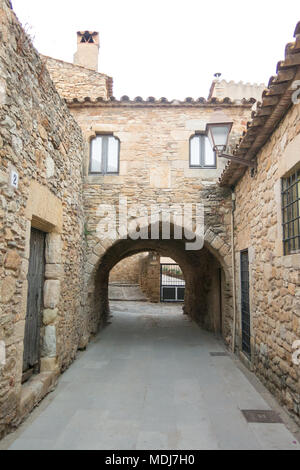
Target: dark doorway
[(246, 326), (172, 283), (36, 273)]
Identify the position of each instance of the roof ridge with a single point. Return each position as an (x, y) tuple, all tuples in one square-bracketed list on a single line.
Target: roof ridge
[(138, 100), (240, 82), (75, 65)]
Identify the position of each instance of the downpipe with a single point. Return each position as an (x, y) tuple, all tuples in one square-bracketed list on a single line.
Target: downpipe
[(233, 198)]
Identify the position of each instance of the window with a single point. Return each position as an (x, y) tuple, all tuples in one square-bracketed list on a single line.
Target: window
[(201, 152), (291, 213), (105, 150)]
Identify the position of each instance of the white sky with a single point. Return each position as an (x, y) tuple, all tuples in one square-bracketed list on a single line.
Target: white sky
[(168, 48)]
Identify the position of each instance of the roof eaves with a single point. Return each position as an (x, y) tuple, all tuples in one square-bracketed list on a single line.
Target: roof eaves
[(164, 102), (276, 101)]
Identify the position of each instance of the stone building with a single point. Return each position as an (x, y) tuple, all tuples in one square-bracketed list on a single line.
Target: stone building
[(266, 233), (72, 156), (41, 149)]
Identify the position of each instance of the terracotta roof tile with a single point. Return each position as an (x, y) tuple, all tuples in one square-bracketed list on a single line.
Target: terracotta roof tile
[(151, 101)]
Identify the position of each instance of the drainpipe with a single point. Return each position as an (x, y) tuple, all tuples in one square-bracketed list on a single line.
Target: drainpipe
[(233, 269)]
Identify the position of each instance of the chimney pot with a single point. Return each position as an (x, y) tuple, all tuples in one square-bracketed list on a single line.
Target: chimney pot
[(87, 49)]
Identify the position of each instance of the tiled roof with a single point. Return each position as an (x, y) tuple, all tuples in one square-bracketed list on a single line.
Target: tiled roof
[(276, 101), (163, 102)]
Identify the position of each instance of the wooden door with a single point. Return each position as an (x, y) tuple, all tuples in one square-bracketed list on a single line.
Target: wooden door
[(36, 273)]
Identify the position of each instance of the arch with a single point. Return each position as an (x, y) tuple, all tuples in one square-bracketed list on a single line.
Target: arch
[(213, 242), (202, 269)]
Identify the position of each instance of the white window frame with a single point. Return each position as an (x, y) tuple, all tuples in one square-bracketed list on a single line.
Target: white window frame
[(104, 155), (202, 164)]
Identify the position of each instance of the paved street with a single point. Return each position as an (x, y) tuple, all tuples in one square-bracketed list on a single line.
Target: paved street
[(148, 381)]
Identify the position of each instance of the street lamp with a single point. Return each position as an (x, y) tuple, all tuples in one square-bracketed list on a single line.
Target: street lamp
[(218, 129)]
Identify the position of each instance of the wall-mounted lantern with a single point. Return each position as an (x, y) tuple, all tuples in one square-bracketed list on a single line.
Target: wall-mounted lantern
[(218, 129)]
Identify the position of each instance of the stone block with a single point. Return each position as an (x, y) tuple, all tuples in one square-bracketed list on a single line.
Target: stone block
[(89, 268), (23, 301), (53, 248), (27, 402), (54, 271), (268, 271), (98, 250), (224, 250), (209, 236), (8, 288), (160, 177), (27, 240), (49, 342), (50, 167), (93, 259), (2, 92), (12, 260), (49, 316), (217, 243), (49, 364), (24, 269), (51, 293)]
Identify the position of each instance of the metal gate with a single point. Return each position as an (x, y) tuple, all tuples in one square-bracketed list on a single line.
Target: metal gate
[(245, 306), (172, 283), (36, 273)]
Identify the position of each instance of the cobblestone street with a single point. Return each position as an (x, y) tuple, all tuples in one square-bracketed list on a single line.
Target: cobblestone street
[(149, 381)]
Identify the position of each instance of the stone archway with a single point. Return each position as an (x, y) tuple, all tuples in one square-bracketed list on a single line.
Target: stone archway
[(207, 272)]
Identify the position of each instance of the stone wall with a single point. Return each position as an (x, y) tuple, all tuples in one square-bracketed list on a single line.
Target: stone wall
[(150, 277), (74, 81), (274, 278), (128, 270), (41, 142), (154, 169), (236, 90)]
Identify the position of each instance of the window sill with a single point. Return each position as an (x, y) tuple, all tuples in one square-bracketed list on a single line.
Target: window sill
[(108, 178), (102, 174), (291, 261), (202, 167)]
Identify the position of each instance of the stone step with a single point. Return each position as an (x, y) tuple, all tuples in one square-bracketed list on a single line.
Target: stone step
[(129, 292)]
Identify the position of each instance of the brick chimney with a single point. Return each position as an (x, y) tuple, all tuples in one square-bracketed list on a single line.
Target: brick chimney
[(87, 50)]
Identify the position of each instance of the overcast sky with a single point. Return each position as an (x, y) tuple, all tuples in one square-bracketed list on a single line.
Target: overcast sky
[(167, 48)]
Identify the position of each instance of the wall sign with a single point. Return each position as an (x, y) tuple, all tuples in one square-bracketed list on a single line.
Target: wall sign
[(14, 179)]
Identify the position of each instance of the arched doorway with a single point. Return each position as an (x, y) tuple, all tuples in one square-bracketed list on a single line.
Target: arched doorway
[(208, 295)]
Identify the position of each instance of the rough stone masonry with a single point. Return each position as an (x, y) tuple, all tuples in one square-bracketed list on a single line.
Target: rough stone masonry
[(41, 142), (46, 128)]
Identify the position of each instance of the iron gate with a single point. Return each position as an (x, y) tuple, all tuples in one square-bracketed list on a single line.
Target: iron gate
[(245, 306), (172, 283)]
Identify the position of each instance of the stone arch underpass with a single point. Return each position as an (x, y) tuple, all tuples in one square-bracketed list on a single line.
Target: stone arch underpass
[(207, 272)]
